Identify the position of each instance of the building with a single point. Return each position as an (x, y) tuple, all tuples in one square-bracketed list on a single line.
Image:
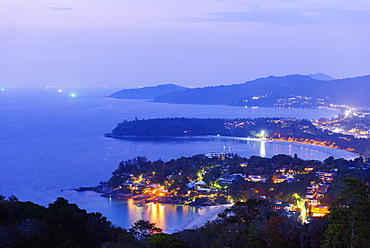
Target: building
[(219, 155), (319, 211), (257, 178)]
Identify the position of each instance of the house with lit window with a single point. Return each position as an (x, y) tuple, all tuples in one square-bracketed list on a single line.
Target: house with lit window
[(257, 178)]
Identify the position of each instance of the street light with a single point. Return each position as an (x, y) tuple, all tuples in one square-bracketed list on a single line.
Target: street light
[(263, 134)]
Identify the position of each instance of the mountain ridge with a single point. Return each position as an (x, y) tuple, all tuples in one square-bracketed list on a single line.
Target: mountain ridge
[(297, 91), (285, 91)]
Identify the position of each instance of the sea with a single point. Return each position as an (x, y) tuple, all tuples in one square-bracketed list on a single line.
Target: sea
[(52, 141)]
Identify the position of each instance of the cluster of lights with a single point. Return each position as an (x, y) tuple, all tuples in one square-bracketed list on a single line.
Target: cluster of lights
[(53, 87)]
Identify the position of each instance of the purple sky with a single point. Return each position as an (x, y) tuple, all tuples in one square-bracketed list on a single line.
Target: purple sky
[(187, 42)]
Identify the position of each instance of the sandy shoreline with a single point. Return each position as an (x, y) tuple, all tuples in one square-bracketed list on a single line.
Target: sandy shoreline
[(210, 214), (336, 152)]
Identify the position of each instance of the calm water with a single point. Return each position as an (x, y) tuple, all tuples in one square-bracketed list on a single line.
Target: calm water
[(52, 142)]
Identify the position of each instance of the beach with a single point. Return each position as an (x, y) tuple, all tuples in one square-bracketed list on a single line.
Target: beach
[(335, 152), (210, 214), (330, 151)]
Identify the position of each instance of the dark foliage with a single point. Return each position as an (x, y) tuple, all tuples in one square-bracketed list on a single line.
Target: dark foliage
[(349, 221), (25, 224), (254, 224)]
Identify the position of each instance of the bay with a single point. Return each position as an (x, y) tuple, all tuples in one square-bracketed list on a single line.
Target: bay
[(52, 142)]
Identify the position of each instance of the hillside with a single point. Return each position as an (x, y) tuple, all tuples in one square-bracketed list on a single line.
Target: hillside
[(147, 92), (286, 91), (230, 93)]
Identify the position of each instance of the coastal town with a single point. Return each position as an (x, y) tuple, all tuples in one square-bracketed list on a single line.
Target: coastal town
[(351, 121), (294, 186)]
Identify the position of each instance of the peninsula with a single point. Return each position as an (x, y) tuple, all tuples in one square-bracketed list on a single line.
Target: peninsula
[(223, 178), (293, 130)]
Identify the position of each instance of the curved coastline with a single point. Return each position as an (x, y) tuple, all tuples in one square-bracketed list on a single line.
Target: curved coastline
[(341, 152), (200, 220), (337, 152), (344, 153)]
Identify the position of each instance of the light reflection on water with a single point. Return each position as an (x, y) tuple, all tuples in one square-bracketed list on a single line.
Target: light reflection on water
[(263, 149), (125, 212), (166, 216)]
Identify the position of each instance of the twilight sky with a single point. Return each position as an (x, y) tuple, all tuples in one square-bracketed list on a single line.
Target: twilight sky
[(186, 42)]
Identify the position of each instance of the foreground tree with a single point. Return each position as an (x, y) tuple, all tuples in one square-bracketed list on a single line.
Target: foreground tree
[(143, 229), (349, 220), (28, 225), (238, 226), (284, 232), (163, 240)]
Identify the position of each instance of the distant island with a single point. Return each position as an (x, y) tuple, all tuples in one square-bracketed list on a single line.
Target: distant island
[(283, 129), (291, 91), (147, 92)]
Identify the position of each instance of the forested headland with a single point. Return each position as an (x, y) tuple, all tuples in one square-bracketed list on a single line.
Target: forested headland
[(271, 128), (232, 178)]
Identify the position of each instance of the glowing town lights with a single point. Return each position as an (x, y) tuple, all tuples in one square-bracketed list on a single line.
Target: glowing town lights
[(347, 113), (2, 89), (301, 205), (60, 91), (263, 134), (73, 95)]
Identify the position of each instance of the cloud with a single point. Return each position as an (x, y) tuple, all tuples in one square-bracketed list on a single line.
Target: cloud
[(292, 16), (60, 9)]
